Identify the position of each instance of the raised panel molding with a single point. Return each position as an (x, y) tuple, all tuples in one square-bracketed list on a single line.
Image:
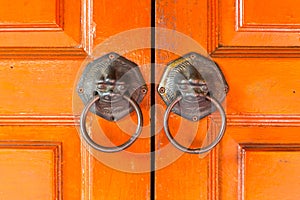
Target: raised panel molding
[(39, 161), (238, 26), (263, 120), (69, 35), (270, 163), (73, 120), (40, 120), (256, 162), (243, 25), (22, 21)]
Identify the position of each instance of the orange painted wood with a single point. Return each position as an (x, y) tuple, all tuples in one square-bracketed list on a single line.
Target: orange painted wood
[(280, 29), (51, 24), (259, 163), (33, 167), (110, 18), (40, 162), (258, 157), (180, 176), (237, 29), (31, 86), (278, 13), (274, 81), (42, 49), (40, 57), (271, 166), (28, 12)]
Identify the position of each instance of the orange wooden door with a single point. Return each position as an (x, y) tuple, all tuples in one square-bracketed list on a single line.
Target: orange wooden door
[(42, 46), (256, 44)]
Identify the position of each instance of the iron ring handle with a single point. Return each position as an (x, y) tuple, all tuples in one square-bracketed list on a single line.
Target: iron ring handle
[(121, 147), (196, 150)]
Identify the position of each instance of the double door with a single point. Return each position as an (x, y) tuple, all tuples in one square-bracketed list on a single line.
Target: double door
[(44, 47)]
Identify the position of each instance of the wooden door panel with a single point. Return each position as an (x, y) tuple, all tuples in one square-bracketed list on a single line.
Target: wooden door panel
[(40, 161), (48, 28), (42, 48), (33, 169), (124, 174), (37, 87), (253, 23), (104, 181), (265, 13), (112, 17), (253, 48), (270, 165), (262, 86), (33, 12), (259, 163), (252, 29), (43, 45), (187, 176)]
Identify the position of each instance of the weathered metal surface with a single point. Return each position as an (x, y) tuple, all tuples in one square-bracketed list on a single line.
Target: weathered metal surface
[(112, 76), (192, 76)]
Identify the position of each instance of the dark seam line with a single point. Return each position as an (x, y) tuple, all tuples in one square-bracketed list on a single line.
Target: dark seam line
[(152, 102)]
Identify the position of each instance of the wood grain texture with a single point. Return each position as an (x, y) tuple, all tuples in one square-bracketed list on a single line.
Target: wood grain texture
[(59, 28), (40, 57), (270, 164), (37, 79), (187, 176), (39, 120), (46, 157), (118, 176), (262, 104), (39, 65), (32, 15), (259, 162), (71, 120), (262, 86), (261, 16), (34, 167), (236, 29), (31, 86)]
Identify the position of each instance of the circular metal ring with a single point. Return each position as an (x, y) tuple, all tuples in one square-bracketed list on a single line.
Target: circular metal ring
[(121, 147), (196, 150)]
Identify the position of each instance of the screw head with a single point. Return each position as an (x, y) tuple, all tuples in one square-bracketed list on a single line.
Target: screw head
[(111, 56), (162, 90), (144, 90), (80, 90), (195, 118)]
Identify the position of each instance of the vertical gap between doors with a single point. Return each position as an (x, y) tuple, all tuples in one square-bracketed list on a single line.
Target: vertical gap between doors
[(152, 110)]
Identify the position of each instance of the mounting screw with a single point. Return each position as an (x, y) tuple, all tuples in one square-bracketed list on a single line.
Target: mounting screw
[(162, 90), (195, 118), (80, 90), (192, 56), (144, 90), (111, 56)]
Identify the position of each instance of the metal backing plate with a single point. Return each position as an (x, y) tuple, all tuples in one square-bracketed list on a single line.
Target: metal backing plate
[(112, 71), (196, 70)]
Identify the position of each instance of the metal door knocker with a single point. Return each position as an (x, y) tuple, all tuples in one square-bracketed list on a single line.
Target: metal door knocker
[(193, 87), (111, 87)]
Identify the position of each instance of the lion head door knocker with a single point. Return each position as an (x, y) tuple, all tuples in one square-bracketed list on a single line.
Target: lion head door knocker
[(111, 87), (193, 87)]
